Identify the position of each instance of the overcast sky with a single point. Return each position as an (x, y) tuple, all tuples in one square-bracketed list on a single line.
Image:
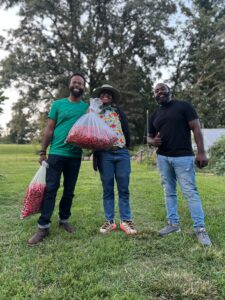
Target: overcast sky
[(8, 19)]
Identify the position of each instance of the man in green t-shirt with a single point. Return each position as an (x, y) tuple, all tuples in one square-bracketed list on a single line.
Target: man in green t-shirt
[(63, 158)]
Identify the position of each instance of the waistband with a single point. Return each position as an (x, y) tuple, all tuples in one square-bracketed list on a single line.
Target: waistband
[(114, 148)]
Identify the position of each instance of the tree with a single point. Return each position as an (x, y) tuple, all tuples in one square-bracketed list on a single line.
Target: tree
[(2, 99), (108, 40), (200, 61), (21, 128)]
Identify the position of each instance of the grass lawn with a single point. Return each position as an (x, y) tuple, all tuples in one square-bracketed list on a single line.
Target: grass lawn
[(88, 265)]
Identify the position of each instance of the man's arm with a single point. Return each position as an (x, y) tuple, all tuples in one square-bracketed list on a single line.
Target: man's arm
[(153, 137), (154, 141), (201, 159), (47, 139)]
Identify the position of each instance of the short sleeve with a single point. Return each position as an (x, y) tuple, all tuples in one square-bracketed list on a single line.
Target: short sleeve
[(53, 112), (190, 113)]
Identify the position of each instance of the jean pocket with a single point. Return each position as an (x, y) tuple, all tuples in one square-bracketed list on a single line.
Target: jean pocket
[(184, 164)]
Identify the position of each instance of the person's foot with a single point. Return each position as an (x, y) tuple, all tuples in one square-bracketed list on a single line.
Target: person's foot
[(168, 229), (67, 227), (38, 236), (107, 227), (128, 227), (202, 236)]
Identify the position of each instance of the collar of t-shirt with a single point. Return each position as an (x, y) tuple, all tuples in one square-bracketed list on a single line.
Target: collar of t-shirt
[(167, 104), (105, 108)]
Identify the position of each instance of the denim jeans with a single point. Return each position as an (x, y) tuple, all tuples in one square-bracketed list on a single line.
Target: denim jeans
[(115, 164), (180, 169), (58, 165)]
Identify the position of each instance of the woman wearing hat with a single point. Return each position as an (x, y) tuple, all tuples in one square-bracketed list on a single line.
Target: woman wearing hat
[(114, 162)]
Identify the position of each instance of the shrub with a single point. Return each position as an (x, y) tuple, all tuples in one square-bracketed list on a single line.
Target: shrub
[(217, 157)]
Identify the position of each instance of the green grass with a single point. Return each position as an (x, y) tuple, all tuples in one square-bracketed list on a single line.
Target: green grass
[(87, 265)]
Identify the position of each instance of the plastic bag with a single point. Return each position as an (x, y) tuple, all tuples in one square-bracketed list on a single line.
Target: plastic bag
[(35, 193), (90, 131)]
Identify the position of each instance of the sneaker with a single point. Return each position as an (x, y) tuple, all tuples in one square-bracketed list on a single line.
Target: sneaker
[(67, 227), (107, 227), (38, 236), (128, 227), (168, 229), (202, 236)]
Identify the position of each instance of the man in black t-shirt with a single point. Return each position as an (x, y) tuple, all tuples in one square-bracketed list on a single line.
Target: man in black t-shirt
[(170, 129)]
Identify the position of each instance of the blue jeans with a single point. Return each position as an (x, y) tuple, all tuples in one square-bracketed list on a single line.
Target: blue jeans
[(180, 169), (115, 164), (58, 165)]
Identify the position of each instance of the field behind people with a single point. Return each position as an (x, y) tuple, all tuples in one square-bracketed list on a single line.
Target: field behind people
[(88, 265)]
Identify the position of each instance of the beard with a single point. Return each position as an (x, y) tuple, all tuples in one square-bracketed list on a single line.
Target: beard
[(76, 93), (163, 98)]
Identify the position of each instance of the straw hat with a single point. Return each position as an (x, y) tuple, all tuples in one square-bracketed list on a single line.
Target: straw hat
[(106, 87)]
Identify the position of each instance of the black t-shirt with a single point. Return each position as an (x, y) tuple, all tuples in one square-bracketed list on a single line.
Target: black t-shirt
[(171, 120)]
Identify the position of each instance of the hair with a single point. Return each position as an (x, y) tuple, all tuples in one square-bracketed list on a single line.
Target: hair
[(163, 84), (77, 74), (106, 91), (168, 87)]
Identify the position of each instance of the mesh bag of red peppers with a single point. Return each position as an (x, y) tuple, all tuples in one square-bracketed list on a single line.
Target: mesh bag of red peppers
[(34, 193), (91, 132)]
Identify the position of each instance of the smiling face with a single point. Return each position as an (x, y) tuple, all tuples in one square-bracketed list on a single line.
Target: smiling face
[(162, 93), (76, 86), (106, 97)]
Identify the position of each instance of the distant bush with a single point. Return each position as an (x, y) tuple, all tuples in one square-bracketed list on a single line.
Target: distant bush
[(219, 168), (217, 157)]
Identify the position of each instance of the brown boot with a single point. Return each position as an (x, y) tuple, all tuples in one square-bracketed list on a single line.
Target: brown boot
[(38, 236), (67, 227)]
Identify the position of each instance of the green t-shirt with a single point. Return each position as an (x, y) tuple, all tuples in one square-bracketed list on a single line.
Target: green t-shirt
[(65, 113)]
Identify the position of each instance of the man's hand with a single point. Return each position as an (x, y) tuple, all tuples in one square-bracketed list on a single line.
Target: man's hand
[(201, 160), (46, 139), (42, 157), (156, 141)]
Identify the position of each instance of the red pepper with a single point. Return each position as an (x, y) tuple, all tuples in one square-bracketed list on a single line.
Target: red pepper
[(91, 137), (33, 200)]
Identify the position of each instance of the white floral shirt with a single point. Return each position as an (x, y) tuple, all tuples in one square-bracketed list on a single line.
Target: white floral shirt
[(112, 120)]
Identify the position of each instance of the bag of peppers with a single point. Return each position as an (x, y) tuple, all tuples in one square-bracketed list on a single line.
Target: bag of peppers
[(35, 193), (90, 131)]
